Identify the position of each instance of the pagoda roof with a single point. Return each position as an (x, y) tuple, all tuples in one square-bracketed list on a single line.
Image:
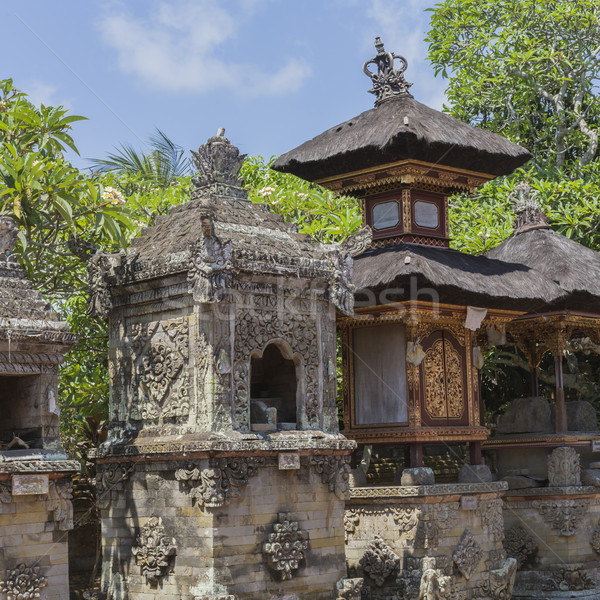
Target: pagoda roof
[(397, 129), (458, 278)]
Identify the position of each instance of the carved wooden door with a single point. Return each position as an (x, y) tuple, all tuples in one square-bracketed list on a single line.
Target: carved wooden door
[(444, 381)]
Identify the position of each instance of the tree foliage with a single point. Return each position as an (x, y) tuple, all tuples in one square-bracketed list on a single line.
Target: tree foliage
[(526, 69)]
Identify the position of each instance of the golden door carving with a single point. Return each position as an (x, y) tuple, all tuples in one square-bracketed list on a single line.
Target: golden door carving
[(444, 390)]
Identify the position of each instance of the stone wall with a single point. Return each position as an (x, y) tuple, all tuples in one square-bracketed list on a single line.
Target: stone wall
[(33, 542), (412, 540), (220, 539), (554, 533)]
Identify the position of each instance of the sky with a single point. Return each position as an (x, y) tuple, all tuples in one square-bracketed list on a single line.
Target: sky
[(274, 73)]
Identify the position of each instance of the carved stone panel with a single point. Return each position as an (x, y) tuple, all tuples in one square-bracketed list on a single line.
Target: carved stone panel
[(159, 380), (563, 467), (286, 547), (23, 583), (110, 477), (218, 484), (154, 551), (562, 515), (379, 561), (335, 472), (490, 512), (349, 589), (467, 554), (59, 501), (519, 544)]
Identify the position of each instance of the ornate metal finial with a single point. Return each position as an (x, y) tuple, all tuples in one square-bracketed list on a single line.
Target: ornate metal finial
[(387, 82), (528, 214), (218, 162)]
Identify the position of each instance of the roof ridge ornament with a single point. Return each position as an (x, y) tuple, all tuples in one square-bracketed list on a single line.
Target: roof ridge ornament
[(528, 213), (387, 82)]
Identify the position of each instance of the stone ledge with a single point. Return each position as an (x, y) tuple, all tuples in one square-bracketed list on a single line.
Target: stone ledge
[(440, 489), (39, 466), (553, 491)]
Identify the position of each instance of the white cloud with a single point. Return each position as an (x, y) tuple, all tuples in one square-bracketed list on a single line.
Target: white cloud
[(178, 47), (403, 25), (40, 93)]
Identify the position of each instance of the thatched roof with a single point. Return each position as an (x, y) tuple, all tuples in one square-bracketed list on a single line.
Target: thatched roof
[(458, 278), (380, 136), (573, 267)]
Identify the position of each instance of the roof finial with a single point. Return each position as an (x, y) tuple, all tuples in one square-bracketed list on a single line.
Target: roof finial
[(387, 82), (528, 214)]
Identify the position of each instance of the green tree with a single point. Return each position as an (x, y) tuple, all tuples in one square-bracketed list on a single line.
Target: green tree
[(525, 69)]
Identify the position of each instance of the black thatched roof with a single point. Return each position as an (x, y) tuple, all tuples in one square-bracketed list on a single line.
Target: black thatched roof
[(380, 136), (458, 278), (573, 267)]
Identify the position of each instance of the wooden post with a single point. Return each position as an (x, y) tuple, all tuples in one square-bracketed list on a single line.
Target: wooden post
[(534, 361), (416, 454), (475, 451)]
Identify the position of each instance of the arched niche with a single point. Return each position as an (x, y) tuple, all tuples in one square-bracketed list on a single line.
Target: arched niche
[(274, 387)]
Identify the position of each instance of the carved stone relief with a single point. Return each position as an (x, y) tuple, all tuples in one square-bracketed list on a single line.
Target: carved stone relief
[(349, 589), (154, 551), (159, 386), (467, 554), (572, 577), (519, 544), (490, 512), (434, 520), (286, 546), (210, 269), (594, 540), (500, 583), (59, 501), (434, 585), (5, 493), (562, 515), (253, 331), (218, 484), (351, 521), (23, 583), (379, 561), (110, 477), (335, 472), (563, 467)]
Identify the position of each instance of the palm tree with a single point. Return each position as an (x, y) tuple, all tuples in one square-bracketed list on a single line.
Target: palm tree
[(158, 168)]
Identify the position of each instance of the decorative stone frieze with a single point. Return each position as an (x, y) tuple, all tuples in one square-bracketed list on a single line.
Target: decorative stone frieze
[(379, 561), (23, 582), (564, 467), (572, 577), (562, 515), (519, 544), (222, 481), (286, 546), (39, 466), (490, 512), (349, 589), (154, 551), (59, 501), (440, 489), (335, 472), (468, 554), (110, 477)]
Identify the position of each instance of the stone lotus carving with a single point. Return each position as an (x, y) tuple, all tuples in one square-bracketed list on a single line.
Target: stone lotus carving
[(379, 561), (23, 583), (562, 515), (59, 501), (563, 467), (286, 546), (154, 551), (349, 589), (467, 554), (335, 472), (222, 481), (490, 512), (520, 545)]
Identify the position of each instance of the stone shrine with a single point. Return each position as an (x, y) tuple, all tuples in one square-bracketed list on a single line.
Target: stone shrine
[(35, 475), (224, 475)]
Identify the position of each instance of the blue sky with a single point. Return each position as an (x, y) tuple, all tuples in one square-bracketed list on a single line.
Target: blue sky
[(274, 73)]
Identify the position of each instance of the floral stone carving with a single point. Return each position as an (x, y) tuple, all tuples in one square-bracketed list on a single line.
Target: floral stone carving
[(286, 546), (349, 589), (23, 583), (222, 481), (379, 561), (335, 472), (490, 512), (59, 501), (519, 544), (468, 554), (110, 477), (570, 577), (563, 467), (562, 515), (500, 584), (154, 550)]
